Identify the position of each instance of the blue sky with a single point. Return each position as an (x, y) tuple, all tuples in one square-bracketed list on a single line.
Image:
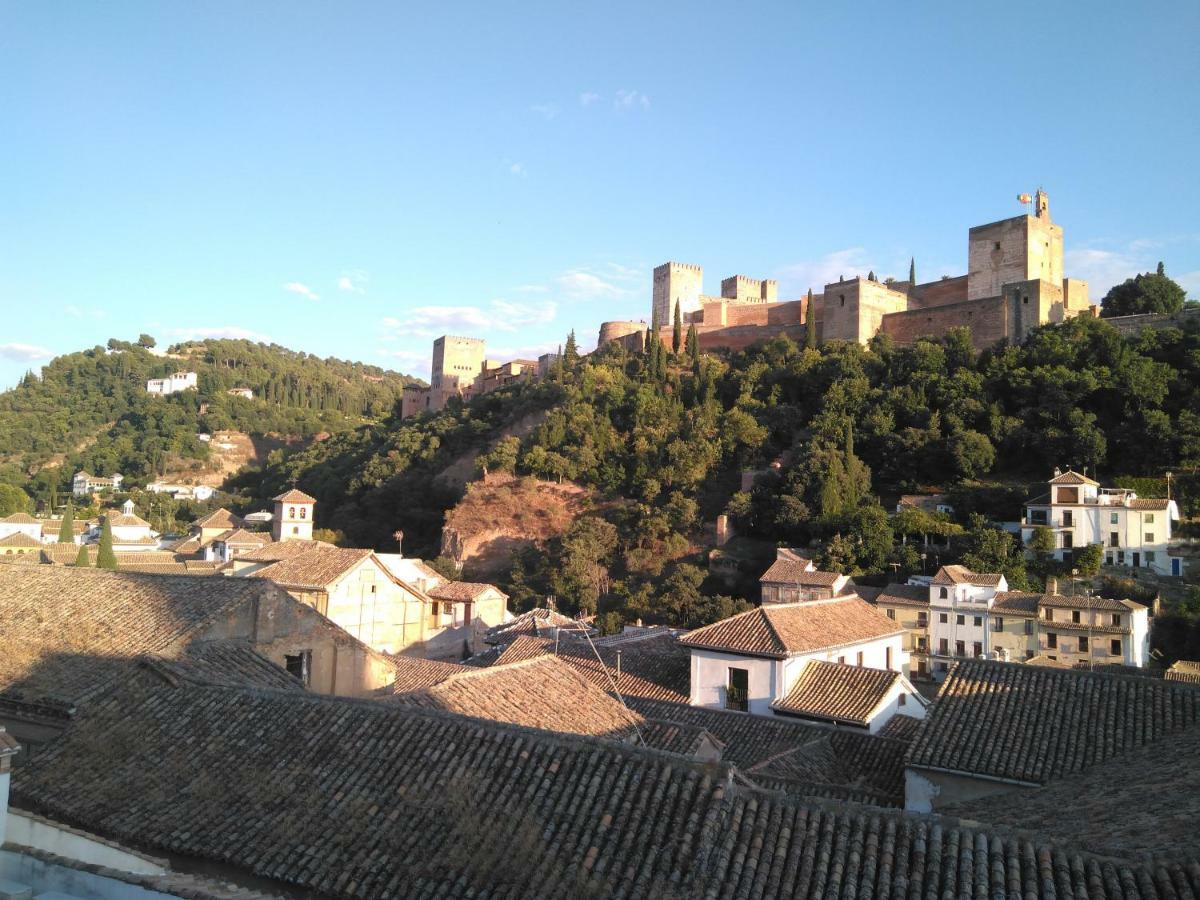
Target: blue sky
[(353, 179)]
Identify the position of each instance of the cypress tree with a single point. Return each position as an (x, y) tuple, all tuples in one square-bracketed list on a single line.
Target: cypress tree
[(105, 558), (810, 323), (693, 345), (677, 333), (912, 271), (1160, 269), (571, 353), (66, 531), (871, 276), (82, 560)]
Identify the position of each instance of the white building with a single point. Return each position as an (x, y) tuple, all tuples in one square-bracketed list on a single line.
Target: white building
[(837, 661), (172, 384), (181, 491), (21, 523), (959, 603), (244, 392), (129, 532), (792, 578), (1134, 531), (1082, 629), (293, 518), (83, 484)]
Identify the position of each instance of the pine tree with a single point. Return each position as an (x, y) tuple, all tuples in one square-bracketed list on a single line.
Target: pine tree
[(571, 353), (693, 345), (810, 323), (82, 560), (66, 531), (105, 558), (677, 332), (912, 271)]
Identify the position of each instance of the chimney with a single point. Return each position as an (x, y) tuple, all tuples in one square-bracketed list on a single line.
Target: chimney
[(618, 665), (1051, 585)]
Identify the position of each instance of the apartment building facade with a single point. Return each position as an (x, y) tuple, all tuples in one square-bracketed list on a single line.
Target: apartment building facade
[(1134, 531)]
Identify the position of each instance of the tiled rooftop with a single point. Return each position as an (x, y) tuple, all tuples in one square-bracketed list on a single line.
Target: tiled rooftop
[(369, 800), (1034, 724), (19, 539), (786, 571), (535, 621), (460, 590), (65, 629), (295, 495), (318, 568), (220, 518), (20, 518), (780, 630), (1072, 477), (904, 595), (1016, 603), (1185, 671), (901, 728), (413, 674), (839, 693), (963, 575)]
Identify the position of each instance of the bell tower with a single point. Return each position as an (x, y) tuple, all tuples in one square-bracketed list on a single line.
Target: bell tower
[(293, 519)]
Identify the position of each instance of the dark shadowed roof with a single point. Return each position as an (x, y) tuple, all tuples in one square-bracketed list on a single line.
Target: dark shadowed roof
[(1036, 724), (1016, 603), (840, 693), (54, 615), (904, 595), (231, 662), (1146, 802), (782, 629), (370, 800), (413, 674), (900, 727)]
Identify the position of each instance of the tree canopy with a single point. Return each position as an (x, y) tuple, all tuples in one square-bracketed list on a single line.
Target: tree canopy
[(1149, 292)]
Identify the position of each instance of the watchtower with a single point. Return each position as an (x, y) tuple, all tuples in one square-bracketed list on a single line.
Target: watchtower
[(675, 282), (293, 516)]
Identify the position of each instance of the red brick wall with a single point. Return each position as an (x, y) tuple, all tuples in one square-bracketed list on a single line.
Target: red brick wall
[(985, 318), (940, 293)]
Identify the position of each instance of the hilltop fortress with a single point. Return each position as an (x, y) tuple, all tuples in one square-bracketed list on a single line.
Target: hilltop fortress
[(1014, 283)]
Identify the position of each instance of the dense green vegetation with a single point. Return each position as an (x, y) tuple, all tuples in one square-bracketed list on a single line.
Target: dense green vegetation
[(668, 435), (1149, 292), (90, 409)]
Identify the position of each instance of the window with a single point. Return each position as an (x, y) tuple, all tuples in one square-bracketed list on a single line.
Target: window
[(942, 618), (1029, 626), (842, 297), (901, 700), (997, 624), (1149, 537), (960, 648), (979, 621), (1083, 644), (1068, 540), (860, 659), (1149, 520), (291, 512), (1149, 557), (1075, 616), (737, 690), (921, 645), (300, 666), (1067, 520), (1052, 641), (1120, 557), (1114, 539), (841, 660), (1049, 614), (887, 658), (1025, 300), (960, 620), (978, 648), (1037, 516), (942, 594), (1113, 518), (295, 529), (922, 620), (1116, 620), (944, 647), (996, 245), (304, 512), (891, 614), (1115, 647)]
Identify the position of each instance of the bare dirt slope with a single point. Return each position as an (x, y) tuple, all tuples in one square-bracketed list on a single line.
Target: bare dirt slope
[(503, 513), (230, 452)]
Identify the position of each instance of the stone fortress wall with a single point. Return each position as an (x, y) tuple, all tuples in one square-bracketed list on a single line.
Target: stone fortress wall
[(1014, 283)]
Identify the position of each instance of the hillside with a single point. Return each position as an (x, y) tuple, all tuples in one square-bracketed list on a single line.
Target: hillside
[(90, 409), (661, 439)]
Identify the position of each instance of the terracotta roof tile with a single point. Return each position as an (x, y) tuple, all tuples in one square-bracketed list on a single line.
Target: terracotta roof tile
[(294, 496), (425, 804), (526, 646), (904, 595), (414, 674), (780, 630), (1081, 601), (901, 728), (219, 518), (243, 538), (655, 667), (535, 621), (315, 570), (963, 575), (462, 590), (1072, 477), (1149, 503), (1185, 671), (786, 571), (1035, 724), (839, 693), (1016, 603), (126, 521), (19, 539), (20, 518)]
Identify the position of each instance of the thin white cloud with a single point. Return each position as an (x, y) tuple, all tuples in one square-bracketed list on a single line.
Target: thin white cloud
[(295, 287), (527, 351), (584, 285), (226, 332), (354, 282), (17, 352), (1190, 282), (631, 100), (587, 98), (796, 278), (474, 321), (545, 110), (517, 169), (531, 289), (413, 362), (77, 312)]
